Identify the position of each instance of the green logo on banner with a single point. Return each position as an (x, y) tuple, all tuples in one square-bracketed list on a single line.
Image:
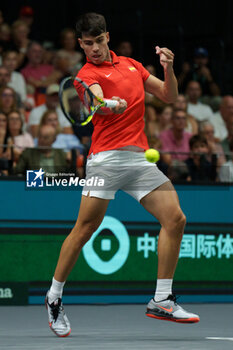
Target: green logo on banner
[(119, 257)]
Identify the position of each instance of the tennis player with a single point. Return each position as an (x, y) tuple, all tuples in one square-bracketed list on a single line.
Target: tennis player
[(117, 153)]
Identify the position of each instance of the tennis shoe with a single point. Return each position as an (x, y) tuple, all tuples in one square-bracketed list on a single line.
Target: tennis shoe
[(58, 321), (169, 310)]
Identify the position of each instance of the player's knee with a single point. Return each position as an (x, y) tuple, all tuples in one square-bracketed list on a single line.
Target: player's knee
[(176, 222), (84, 231), (179, 223), (182, 220)]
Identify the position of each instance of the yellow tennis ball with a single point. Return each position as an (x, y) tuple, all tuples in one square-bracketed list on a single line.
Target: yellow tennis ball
[(152, 155)]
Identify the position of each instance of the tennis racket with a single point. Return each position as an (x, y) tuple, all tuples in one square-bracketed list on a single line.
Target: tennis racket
[(80, 112)]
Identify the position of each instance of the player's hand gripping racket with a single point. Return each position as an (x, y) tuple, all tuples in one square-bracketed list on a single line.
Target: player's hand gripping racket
[(80, 112)]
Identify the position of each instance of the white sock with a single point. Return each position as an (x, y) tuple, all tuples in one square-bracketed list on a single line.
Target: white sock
[(55, 291), (163, 289)]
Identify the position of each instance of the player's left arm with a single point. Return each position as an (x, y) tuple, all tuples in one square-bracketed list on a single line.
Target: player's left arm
[(166, 90)]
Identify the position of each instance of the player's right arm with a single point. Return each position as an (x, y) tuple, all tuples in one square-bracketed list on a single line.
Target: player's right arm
[(97, 90)]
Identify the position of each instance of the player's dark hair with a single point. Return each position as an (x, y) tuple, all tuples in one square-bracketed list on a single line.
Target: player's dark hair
[(197, 139), (91, 23)]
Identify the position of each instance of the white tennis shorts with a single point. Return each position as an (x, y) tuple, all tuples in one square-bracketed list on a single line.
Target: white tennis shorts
[(110, 171)]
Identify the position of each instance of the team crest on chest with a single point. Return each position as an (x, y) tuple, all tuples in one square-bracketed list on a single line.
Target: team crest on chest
[(132, 69)]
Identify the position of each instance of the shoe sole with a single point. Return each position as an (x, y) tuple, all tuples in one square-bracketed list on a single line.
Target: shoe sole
[(58, 335), (177, 320), (50, 326)]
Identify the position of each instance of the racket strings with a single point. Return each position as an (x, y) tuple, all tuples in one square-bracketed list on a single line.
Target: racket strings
[(79, 111)]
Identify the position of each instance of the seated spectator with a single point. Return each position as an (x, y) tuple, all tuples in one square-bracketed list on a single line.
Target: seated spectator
[(16, 136), (63, 141), (8, 100), (21, 41), (199, 70), (163, 120), (124, 48), (192, 124), (176, 139), (157, 119), (199, 110), (151, 69), (223, 117), (5, 36), (17, 82), (226, 170), (226, 142), (5, 77), (5, 150), (49, 52), (150, 117), (37, 74), (26, 14), (51, 102), (3, 135), (68, 142), (199, 167), (49, 159), (61, 63), (207, 131), (69, 50)]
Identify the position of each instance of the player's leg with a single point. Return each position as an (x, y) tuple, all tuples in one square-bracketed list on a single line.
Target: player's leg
[(163, 203), (91, 214)]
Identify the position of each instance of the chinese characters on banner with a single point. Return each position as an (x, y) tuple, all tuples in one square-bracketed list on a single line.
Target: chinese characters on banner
[(192, 246)]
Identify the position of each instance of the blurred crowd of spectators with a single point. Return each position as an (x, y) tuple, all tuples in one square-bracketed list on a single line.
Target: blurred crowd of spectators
[(194, 135), (33, 130)]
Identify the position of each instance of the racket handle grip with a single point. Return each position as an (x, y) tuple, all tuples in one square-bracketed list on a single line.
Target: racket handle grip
[(111, 103)]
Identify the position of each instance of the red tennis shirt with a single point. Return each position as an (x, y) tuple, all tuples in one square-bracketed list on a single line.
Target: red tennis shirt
[(123, 77)]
